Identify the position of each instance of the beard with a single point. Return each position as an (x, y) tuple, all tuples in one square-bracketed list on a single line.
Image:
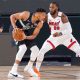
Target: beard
[(52, 13)]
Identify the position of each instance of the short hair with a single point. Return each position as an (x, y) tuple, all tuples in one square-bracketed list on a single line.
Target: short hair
[(40, 10), (55, 4)]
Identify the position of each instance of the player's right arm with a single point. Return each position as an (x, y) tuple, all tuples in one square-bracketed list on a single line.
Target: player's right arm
[(17, 16), (66, 25)]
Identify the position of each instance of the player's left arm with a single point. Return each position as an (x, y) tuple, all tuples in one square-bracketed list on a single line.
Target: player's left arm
[(66, 25), (36, 31)]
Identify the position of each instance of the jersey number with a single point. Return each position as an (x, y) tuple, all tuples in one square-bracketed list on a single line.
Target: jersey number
[(56, 27)]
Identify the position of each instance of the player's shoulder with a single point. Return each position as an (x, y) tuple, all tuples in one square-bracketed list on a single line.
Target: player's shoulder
[(62, 14), (64, 17), (25, 12), (59, 13), (21, 13)]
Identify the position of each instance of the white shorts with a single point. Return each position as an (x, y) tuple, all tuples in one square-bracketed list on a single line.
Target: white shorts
[(67, 40)]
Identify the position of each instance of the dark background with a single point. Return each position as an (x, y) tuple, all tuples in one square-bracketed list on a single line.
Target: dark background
[(12, 6)]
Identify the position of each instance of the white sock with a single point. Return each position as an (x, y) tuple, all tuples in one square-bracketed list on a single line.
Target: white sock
[(14, 68), (30, 64), (33, 56), (38, 65)]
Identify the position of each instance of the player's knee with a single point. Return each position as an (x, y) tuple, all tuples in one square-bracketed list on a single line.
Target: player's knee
[(34, 53), (41, 55), (23, 47), (34, 49), (77, 51), (21, 52), (42, 51)]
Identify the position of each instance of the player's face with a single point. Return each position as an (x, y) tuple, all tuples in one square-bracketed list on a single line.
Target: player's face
[(53, 8), (42, 16)]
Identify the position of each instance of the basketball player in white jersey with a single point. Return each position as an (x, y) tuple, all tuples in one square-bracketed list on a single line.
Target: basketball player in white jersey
[(61, 34), (31, 25)]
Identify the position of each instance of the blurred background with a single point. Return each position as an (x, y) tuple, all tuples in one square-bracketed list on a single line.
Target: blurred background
[(61, 54)]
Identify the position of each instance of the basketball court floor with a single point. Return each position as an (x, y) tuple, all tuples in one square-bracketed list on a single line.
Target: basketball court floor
[(47, 73)]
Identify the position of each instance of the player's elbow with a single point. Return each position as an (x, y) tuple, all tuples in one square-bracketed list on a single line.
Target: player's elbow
[(12, 17)]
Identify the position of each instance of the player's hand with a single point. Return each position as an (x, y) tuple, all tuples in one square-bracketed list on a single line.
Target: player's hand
[(24, 36), (18, 34), (15, 28), (57, 34)]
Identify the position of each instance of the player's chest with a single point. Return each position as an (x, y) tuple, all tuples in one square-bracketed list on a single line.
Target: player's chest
[(54, 21)]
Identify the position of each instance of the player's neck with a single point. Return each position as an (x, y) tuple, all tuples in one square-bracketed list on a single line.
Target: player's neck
[(55, 15)]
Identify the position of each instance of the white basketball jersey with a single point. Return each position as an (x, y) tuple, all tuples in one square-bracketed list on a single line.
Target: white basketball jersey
[(55, 24)]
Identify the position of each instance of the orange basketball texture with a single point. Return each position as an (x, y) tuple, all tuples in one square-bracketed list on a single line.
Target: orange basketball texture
[(18, 34)]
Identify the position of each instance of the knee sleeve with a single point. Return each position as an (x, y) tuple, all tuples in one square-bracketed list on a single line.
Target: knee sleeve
[(21, 52), (45, 48), (41, 54), (77, 51), (34, 53), (76, 48)]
